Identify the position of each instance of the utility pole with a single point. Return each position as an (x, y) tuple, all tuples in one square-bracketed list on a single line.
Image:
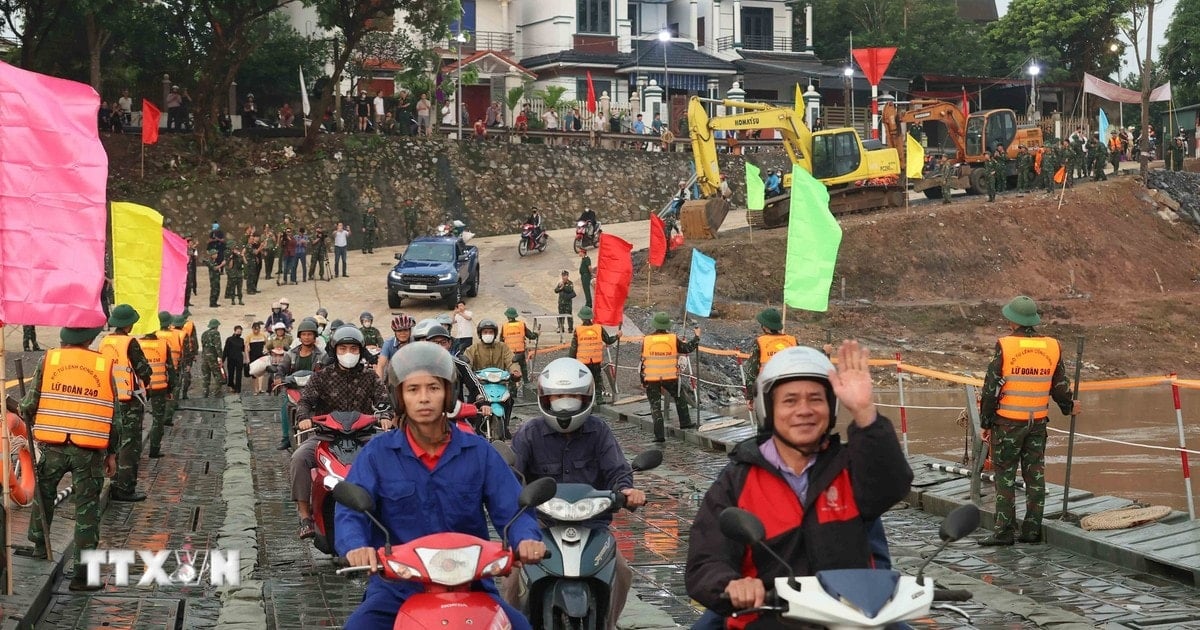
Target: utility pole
[(1147, 66)]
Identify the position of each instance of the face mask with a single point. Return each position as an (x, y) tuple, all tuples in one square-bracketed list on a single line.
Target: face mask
[(488, 338), (566, 404), (348, 360)]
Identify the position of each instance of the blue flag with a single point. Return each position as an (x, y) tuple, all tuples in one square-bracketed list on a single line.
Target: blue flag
[(701, 283), (1103, 126)]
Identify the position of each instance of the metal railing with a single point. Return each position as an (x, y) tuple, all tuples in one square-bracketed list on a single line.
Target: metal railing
[(484, 40), (777, 43)]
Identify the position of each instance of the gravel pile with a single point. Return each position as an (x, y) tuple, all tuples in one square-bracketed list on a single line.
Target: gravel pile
[(1182, 187)]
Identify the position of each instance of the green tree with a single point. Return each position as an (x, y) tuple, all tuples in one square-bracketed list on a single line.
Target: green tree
[(1180, 54), (1066, 37), (271, 71)]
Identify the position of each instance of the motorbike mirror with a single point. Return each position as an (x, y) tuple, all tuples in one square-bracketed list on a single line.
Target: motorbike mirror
[(538, 492), (648, 460), (963, 520), (506, 453), (741, 526), (353, 496)]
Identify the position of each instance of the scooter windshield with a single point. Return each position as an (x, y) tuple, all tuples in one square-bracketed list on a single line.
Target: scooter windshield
[(867, 590)]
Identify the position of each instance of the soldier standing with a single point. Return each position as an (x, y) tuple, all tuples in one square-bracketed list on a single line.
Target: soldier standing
[(585, 279), (235, 267), (1077, 168), (587, 347), (254, 257), (989, 178), (132, 373), (29, 339), (370, 224), (270, 246), (210, 353), (190, 347), (769, 343), (1177, 152), (1000, 159), (660, 371), (1024, 169), (1097, 157), (946, 172), (1025, 373), (566, 296), (162, 382), (174, 338), (77, 436), (514, 333), (214, 278)]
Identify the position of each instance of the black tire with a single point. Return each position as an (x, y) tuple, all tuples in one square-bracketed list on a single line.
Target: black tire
[(393, 300), (473, 291), (453, 297), (544, 242), (933, 193), (977, 187), (523, 248), (324, 544), (578, 244)]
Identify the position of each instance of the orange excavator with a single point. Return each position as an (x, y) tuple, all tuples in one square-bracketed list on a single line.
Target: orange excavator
[(974, 137)]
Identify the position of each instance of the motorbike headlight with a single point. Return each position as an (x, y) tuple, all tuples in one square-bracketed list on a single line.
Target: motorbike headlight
[(403, 571), (494, 377), (301, 381), (496, 567), (579, 224), (450, 567), (580, 510)]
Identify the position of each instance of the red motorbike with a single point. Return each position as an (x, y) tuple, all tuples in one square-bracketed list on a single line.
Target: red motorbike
[(446, 564), (342, 435), (529, 242), (586, 235), (292, 385)]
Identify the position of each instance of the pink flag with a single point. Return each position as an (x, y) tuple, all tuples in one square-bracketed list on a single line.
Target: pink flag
[(53, 172), (173, 282)]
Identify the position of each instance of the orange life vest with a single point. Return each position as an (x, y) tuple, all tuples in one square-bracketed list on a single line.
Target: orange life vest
[(174, 339), (156, 355), (76, 399), (1028, 373), (1038, 153), (589, 341), (116, 348), (660, 358), (189, 331), (770, 345), (513, 334)]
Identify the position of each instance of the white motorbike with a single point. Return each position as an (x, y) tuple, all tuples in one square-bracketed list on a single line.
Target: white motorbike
[(851, 598)]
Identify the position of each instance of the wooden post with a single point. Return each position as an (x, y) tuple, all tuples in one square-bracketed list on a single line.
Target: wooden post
[(5, 477)]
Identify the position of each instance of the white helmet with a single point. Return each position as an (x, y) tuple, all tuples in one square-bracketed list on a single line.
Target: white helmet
[(427, 357), (791, 364), (566, 376), (420, 330)]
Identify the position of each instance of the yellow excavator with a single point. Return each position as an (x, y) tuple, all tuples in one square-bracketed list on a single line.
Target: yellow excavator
[(860, 176)]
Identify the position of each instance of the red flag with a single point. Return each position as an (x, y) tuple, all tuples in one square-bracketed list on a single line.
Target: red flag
[(966, 103), (874, 62), (1060, 175), (150, 116), (591, 100), (614, 273), (658, 241)]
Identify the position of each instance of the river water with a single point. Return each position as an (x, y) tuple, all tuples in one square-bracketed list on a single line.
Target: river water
[(1144, 416)]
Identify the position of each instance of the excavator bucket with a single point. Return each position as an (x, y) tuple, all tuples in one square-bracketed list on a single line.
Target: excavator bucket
[(702, 218)]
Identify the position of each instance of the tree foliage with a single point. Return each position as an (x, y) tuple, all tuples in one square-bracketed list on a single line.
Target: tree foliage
[(1180, 54), (1066, 37)]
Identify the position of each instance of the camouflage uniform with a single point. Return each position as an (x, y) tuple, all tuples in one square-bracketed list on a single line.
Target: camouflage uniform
[(160, 407), (1078, 167), (270, 249), (128, 418), (1051, 160), (654, 393), (1024, 170), (989, 178), (253, 266), (1019, 443), (1097, 158), (235, 266), (1000, 167), (210, 352), (189, 358), (946, 172), (371, 336), (370, 224), (29, 339), (86, 467), (214, 278)]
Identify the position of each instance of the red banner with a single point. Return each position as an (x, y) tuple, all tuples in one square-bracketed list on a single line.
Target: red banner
[(591, 97), (614, 273), (874, 62), (150, 116), (658, 241)]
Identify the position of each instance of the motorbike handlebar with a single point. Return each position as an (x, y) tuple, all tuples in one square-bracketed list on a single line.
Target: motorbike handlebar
[(365, 567), (951, 595)]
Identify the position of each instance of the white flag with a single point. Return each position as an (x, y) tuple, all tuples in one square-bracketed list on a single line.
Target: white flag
[(303, 92)]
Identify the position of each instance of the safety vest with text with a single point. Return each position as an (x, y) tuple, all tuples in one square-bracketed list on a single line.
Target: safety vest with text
[(174, 339), (660, 358), (156, 355), (589, 344), (76, 399), (514, 336), (116, 348), (770, 345), (1028, 373)]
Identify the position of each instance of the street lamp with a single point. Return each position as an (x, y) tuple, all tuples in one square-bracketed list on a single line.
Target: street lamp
[(664, 38), (1034, 70), (1116, 48), (461, 38), (848, 72)]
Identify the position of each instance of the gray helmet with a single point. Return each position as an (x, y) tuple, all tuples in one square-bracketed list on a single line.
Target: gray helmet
[(445, 319), (435, 331), (791, 364), (420, 330), (565, 376), (347, 334), (336, 324), (484, 324), (366, 315), (430, 358), (308, 325), (323, 313)]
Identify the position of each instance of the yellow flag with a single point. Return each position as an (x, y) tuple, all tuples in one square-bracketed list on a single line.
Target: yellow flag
[(915, 162), (137, 261)]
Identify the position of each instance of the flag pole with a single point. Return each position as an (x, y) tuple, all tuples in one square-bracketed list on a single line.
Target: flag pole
[(784, 320), (5, 451), (143, 160)]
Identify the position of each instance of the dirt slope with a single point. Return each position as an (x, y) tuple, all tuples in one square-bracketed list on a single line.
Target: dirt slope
[(929, 280)]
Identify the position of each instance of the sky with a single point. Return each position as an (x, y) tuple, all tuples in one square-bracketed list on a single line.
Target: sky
[(1162, 17)]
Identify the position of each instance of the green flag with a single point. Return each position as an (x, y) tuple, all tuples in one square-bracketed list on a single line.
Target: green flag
[(756, 190), (812, 247)]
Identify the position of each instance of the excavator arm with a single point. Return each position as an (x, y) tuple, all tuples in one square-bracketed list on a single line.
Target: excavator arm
[(797, 139), (920, 111)]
